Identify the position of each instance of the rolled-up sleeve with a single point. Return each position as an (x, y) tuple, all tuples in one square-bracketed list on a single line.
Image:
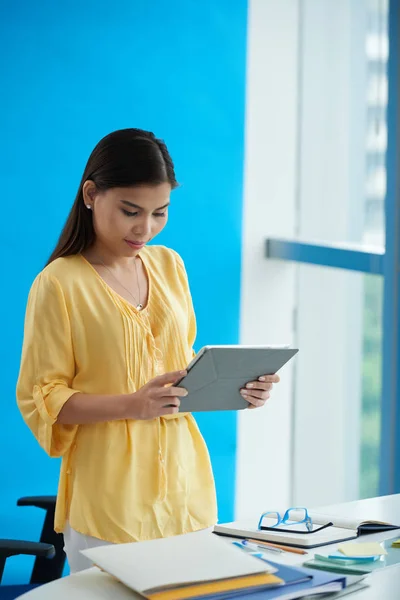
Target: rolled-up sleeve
[(47, 366)]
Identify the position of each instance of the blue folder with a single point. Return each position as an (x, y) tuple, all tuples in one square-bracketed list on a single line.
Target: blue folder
[(286, 573), (296, 579)]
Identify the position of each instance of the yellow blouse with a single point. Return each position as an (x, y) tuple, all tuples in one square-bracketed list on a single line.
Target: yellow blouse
[(120, 481)]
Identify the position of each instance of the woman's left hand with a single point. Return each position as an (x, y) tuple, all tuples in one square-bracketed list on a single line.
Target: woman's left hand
[(257, 392)]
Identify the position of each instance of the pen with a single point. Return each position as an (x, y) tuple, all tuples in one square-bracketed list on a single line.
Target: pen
[(254, 548), (278, 547), (257, 546)]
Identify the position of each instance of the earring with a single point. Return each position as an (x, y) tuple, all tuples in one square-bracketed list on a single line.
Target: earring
[(88, 207)]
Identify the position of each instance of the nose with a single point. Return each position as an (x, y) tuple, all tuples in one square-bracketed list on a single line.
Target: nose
[(142, 227)]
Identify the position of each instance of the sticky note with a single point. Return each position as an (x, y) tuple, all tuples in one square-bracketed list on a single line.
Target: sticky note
[(396, 543), (365, 549)]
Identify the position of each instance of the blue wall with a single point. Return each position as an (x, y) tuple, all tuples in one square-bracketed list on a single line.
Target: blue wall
[(70, 75)]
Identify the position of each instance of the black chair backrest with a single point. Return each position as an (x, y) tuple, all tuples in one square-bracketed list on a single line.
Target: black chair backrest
[(45, 569)]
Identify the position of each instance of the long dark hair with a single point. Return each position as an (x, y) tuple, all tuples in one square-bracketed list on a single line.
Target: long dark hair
[(124, 158)]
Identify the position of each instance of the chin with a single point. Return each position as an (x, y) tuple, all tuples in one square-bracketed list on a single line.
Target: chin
[(129, 252)]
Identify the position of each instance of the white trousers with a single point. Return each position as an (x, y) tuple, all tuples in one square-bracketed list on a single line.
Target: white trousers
[(74, 542)]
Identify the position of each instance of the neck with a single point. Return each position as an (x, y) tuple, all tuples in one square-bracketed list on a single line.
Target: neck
[(100, 254)]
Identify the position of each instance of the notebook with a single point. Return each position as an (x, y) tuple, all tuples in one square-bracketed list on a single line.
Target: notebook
[(194, 565), (341, 529)]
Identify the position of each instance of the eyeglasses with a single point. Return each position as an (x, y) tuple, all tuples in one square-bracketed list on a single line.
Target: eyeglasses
[(293, 516)]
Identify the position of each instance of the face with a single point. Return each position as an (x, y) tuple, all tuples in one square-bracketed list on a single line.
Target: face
[(126, 219)]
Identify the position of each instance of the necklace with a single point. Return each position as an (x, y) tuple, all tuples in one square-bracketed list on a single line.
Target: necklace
[(138, 305)]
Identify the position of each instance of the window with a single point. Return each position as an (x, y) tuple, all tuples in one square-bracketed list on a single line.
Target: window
[(321, 92)]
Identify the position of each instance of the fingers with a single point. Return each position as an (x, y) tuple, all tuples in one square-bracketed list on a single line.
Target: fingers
[(171, 403), (257, 394), (173, 391), (258, 385), (171, 406), (270, 378), (255, 402), (168, 378), (168, 410)]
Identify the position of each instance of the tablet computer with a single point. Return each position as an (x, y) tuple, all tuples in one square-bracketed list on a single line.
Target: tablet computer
[(218, 373)]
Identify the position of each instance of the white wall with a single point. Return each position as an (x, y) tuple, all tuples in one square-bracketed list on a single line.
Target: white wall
[(264, 437)]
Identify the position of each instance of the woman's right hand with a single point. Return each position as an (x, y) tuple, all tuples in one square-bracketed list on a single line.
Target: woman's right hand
[(155, 399)]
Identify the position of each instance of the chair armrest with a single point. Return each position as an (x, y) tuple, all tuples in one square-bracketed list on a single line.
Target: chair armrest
[(14, 547), (45, 502)]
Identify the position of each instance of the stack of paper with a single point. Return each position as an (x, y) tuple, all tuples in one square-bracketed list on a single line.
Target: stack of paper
[(353, 559), (202, 566), (195, 565), (366, 550)]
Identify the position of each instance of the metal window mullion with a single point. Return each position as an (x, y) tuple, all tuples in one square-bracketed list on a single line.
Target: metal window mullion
[(390, 407)]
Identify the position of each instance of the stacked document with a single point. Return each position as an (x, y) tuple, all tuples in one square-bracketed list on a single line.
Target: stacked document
[(195, 565), (201, 565), (359, 558)]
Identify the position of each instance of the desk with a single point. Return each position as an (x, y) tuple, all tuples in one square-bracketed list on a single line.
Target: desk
[(384, 584)]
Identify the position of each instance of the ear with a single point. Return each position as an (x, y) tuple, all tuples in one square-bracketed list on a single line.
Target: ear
[(89, 192)]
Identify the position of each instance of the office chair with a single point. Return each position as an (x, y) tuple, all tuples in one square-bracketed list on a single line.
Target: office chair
[(49, 552)]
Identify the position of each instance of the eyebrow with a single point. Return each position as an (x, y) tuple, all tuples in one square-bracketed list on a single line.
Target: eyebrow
[(131, 204)]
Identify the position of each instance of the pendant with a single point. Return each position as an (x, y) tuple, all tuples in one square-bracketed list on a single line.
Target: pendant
[(139, 307)]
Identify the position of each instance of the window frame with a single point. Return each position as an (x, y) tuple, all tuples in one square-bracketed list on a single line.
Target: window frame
[(377, 261)]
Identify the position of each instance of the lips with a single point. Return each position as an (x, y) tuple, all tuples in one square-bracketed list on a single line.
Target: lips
[(135, 244)]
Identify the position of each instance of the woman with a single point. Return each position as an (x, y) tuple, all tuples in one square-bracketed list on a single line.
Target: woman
[(109, 328)]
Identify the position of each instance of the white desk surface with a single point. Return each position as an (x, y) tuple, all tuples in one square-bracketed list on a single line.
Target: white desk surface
[(383, 584)]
